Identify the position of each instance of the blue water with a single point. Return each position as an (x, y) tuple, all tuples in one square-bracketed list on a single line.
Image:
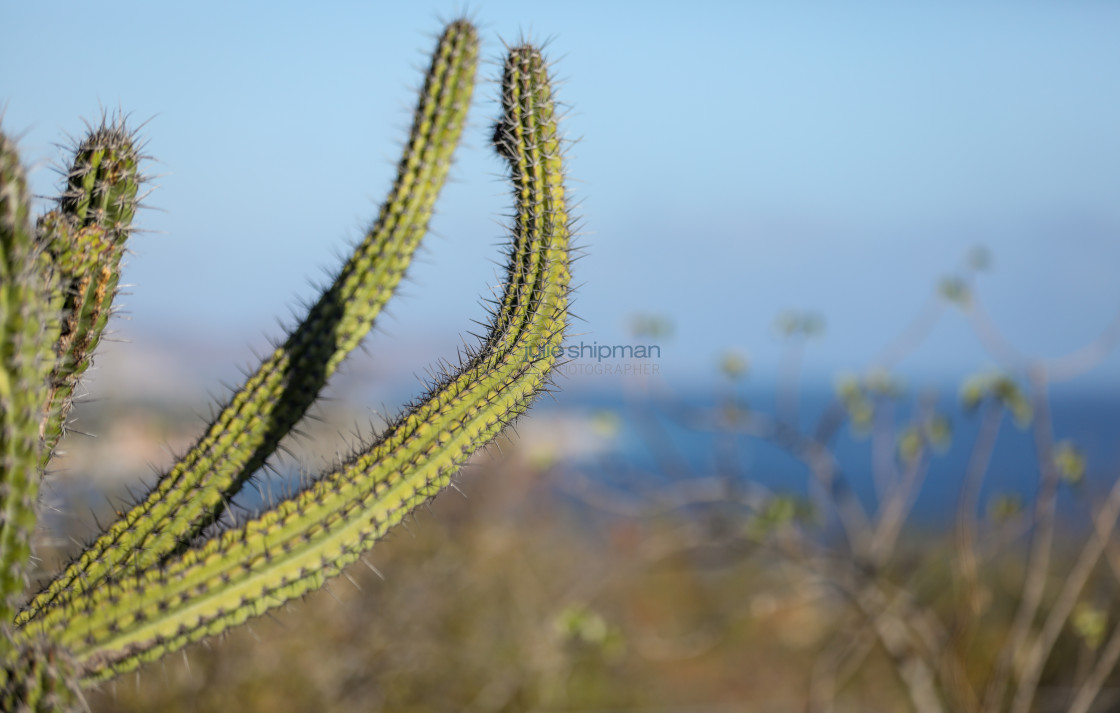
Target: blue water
[(662, 439)]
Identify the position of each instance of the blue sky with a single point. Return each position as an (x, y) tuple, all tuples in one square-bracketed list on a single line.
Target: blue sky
[(734, 160)]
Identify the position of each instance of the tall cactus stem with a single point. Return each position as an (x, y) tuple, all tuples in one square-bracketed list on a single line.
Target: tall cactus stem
[(27, 332), (84, 238), (249, 428), (293, 547)]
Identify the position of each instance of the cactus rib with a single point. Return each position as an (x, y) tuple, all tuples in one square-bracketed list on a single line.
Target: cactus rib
[(295, 546), (248, 430), (27, 333), (84, 240)]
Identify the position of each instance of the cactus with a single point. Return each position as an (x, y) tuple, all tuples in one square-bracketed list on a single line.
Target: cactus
[(153, 582)]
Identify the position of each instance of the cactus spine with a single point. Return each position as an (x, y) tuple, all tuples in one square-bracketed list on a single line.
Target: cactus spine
[(144, 588)]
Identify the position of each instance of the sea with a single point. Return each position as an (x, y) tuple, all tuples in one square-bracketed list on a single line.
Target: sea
[(643, 439)]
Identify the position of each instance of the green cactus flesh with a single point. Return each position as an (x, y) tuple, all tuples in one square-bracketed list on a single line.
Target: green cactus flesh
[(27, 334), (84, 240), (295, 546), (38, 677), (143, 589), (247, 431)]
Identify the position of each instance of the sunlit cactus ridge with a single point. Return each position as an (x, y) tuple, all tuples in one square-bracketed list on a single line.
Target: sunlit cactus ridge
[(162, 576), (254, 420), (84, 238)]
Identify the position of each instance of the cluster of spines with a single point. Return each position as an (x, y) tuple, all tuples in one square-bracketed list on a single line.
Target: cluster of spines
[(83, 241), (141, 590)]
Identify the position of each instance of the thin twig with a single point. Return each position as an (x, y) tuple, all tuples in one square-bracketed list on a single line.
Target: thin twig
[(1063, 605), (969, 502), (1038, 562)]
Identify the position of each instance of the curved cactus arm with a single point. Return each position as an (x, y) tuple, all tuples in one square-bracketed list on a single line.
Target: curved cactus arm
[(248, 430), (528, 138), (85, 236), (294, 547), (28, 328)]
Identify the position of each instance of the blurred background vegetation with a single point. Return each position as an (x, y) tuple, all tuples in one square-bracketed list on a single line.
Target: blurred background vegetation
[(637, 545)]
